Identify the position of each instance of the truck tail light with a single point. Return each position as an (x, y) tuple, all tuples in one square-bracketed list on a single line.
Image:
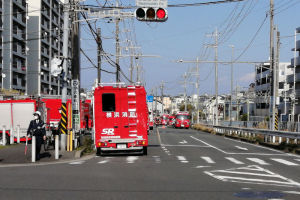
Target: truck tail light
[(141, 142)]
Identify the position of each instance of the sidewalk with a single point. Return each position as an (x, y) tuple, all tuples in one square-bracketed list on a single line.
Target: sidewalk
[(15, 154)]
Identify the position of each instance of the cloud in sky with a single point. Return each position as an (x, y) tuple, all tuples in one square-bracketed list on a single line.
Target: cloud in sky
[(250, 77)]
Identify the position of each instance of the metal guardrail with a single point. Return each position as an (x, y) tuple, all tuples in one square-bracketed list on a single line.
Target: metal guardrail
[(282, 134)]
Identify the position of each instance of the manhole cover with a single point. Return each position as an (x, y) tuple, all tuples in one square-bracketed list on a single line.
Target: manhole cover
[(259, 195)]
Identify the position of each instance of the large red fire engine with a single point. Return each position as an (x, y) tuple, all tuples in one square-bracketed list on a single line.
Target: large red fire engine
[(120, 118), (182, 120)]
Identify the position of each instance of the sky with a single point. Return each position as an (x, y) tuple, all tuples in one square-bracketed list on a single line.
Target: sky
[(185, 36)]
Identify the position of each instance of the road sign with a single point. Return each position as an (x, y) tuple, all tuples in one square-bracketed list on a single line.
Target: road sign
[(149, 98), (76, 105), (152, 3)]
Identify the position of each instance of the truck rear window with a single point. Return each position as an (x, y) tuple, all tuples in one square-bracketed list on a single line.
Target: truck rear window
[(108, 102)]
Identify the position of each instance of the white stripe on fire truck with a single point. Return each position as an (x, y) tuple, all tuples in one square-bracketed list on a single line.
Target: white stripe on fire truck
[(132, 110), (131, 93)]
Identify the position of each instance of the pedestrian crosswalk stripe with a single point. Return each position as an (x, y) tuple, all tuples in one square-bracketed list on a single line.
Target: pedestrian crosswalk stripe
[(131, 159), (182, 159), (284, 162), (259, 161), (208, 160), (235, 161)]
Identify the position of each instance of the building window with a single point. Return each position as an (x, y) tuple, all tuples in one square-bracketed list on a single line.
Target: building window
[(281, 85), (108, 102)]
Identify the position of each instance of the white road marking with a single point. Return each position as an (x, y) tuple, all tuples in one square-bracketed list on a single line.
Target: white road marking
[(131, 159), (235, 161), (208, 160), (259, 161), (184, 145), (297, 159), (208, 144), (157, 159), (76, 163), (284, 162), (242, 148), (183, 142), (258, 175), (201, 166), (182, 159), (103, 162)]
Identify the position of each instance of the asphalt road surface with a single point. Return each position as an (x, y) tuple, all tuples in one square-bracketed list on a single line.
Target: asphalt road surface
[(181, 164)]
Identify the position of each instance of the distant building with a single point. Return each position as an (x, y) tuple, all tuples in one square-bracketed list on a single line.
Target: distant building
[(13, 45), (46, 25), (263, 88)]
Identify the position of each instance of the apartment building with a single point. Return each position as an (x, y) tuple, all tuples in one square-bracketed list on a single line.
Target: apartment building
[(294, 82), (263, 88), (45, 42), (13, 45)]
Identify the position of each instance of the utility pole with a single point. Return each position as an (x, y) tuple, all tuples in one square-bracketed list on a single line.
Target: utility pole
[(198, 90), (99, 45), (65, 71), (272, 68), (216, 36), (155, 101), (231, 84), (162, 96), (185, 96), (117, 46)]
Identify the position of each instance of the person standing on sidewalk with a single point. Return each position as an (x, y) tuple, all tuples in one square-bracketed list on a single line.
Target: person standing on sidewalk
[(37, 128)]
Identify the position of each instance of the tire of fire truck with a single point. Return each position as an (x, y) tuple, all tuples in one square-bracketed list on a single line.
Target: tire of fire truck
[(145, 151), (99, 152)]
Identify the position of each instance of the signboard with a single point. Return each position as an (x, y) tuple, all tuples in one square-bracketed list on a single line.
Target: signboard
[(76, 105), (152, 3), (149, 98)]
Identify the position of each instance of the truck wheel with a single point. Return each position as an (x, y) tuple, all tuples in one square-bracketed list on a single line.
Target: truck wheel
[(145, 151), (98, 153)]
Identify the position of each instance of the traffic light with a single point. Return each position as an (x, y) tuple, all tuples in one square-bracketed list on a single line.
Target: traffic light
[(151, 14)]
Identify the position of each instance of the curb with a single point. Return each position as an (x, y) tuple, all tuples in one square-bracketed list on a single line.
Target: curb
[(79, 153)]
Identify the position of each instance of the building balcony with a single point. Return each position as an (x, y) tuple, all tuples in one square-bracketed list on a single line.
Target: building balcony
[(262, 87), (297, 62), (20, 3), (290, 78)]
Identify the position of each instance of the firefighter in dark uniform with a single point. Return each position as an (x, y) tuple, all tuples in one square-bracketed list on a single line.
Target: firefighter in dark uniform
[(37, 128)]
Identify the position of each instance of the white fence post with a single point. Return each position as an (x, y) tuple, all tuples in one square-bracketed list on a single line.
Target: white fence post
[(56, 147), (18, 134), (273, 139), (280, 140), (33, 149), (3, 136), (11, 141)]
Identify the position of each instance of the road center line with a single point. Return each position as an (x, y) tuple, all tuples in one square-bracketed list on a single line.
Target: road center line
[(242, 148)]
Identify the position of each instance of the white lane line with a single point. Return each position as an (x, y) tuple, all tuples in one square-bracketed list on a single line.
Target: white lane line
[(182, 159), (208, 160), (76, 163), (284, 162), (259, 161), (131, 159), (201, 166), (184, 145), (297, 159), (103, 162), (242, 148), (209, 145), (235, 161)]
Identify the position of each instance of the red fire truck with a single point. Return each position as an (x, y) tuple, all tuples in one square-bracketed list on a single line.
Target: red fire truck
[(182, 120), (164, 119), (120, 119), (17, 114), (53, 116)]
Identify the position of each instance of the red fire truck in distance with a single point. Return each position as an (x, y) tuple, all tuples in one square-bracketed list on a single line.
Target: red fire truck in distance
[(182, 120), (164, 119), (120, 119)]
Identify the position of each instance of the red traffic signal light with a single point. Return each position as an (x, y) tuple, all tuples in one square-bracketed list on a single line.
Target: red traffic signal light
[(151, 14)]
